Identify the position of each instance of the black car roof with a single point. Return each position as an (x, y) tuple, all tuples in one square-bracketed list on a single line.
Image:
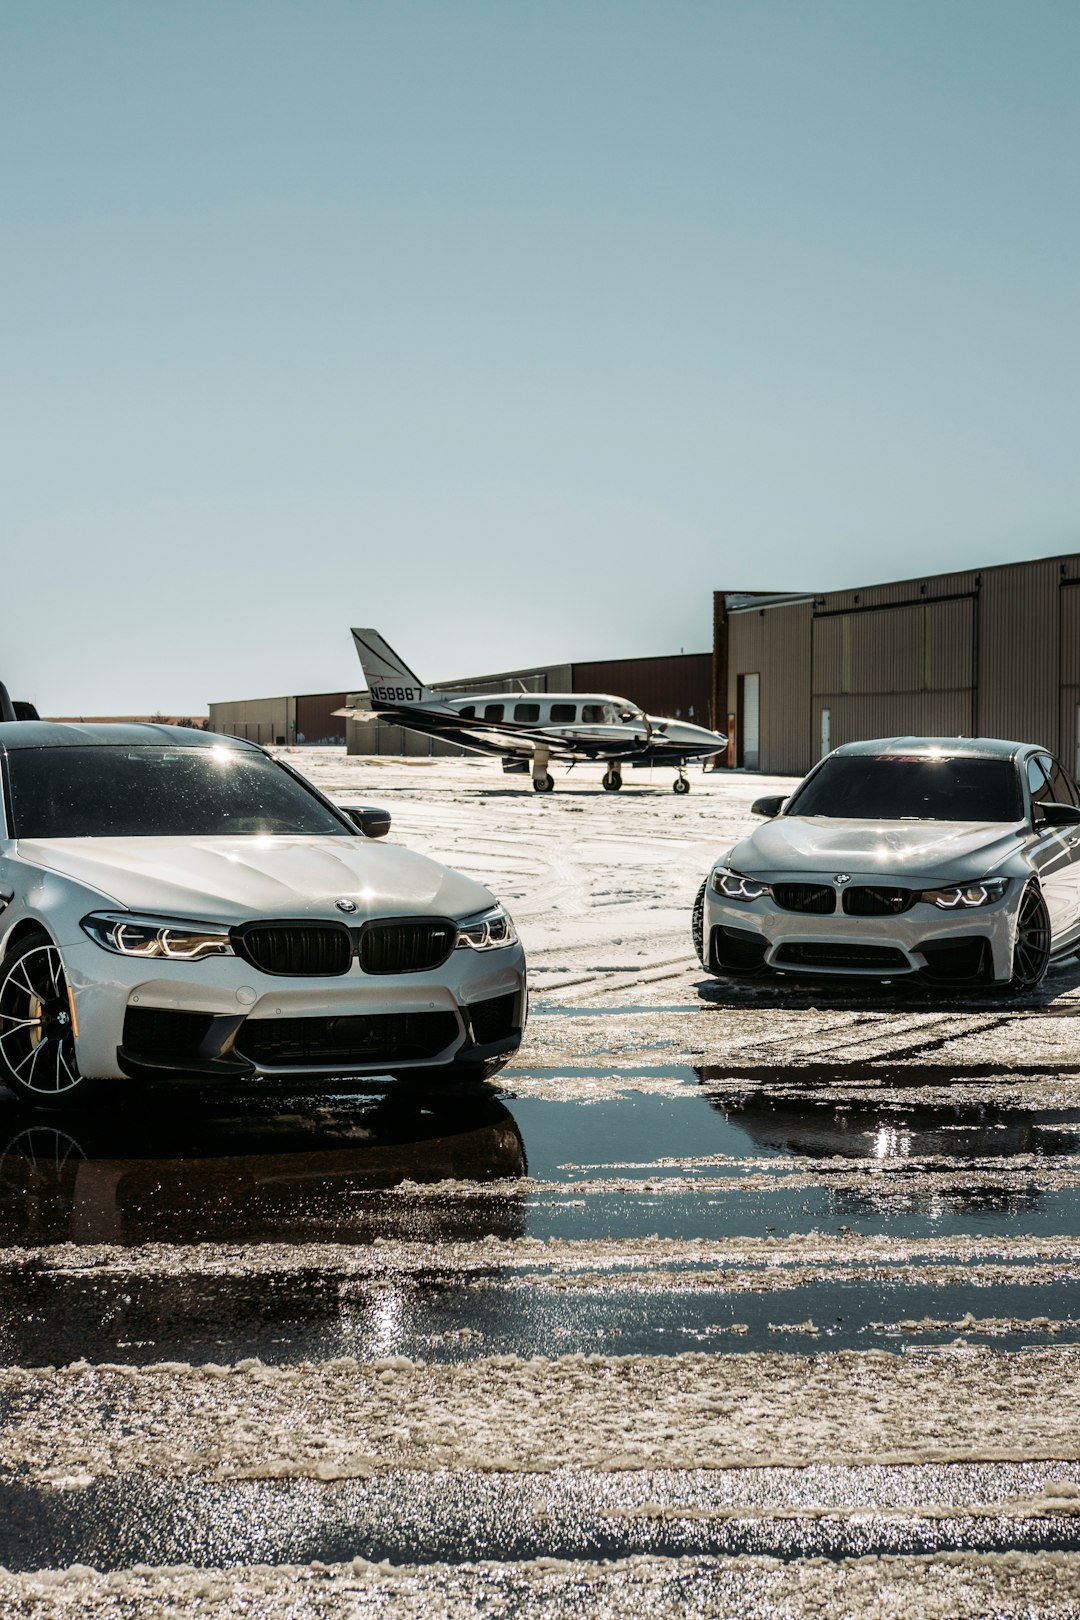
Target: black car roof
[(973, 747), (15, 734)]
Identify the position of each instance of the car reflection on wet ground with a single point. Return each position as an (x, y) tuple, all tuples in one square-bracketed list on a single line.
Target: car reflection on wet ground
[(724, 1273)]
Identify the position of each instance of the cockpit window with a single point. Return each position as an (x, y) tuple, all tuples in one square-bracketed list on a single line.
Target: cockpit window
[(595, 714), (911, 787), (155, 791)]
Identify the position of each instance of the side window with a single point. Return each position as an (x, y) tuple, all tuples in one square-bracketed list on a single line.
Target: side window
[(593, 714), (1037, 782), (468, 712), (493, 711), (526, 711), (1063, 788), (563, 712)]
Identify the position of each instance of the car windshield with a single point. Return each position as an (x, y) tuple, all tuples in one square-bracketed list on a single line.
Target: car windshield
[(144, 792), (911, 787)]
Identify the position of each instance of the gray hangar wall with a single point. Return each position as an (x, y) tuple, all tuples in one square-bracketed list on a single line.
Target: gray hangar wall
[(993, 653)]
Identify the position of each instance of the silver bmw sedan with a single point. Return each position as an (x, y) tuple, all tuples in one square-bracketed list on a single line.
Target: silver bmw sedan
[(954, 859)]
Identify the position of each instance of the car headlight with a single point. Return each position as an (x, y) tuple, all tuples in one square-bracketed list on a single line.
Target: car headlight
[(490, 931), (130, 935), (733, 886), (966, 896)]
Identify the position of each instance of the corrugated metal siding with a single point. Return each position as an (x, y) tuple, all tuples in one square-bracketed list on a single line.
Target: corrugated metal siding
[(1069, 703), (897, 671), (775, 643), (1001, 659), (1019, 654), (315, 719), (678, 687)]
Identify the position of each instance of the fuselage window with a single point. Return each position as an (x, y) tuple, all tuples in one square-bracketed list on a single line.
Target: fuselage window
[(526, 711), (563, 712), (468, 711), (493, 711)]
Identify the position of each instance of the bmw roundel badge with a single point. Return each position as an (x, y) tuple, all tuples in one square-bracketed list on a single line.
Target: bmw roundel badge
[(345, 905), (841, 877)]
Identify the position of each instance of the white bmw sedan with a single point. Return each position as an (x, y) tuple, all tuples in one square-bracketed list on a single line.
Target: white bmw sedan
[(177, 903), (954, 859)]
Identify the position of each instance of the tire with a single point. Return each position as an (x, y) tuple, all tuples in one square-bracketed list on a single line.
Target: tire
[(680, 785), (37, 1040), (543, 784), (612, 781), (697, 924), (1031, 953)]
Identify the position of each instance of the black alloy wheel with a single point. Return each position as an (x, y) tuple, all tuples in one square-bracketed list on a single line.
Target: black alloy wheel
[(1031, 953), (37, 1034)]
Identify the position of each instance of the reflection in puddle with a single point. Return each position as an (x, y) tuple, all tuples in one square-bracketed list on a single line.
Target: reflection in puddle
[(156, 1175)]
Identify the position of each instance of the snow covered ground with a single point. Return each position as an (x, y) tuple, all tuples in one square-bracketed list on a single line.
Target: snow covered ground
[(716, 1280)]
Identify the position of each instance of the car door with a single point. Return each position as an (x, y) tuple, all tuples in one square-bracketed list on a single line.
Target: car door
[(1055, 851), (1065, 791)]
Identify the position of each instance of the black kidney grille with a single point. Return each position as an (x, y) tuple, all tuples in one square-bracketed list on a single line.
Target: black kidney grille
[(816, 897), (875, 900), (315, 951), (405, 947), (376, 1038)]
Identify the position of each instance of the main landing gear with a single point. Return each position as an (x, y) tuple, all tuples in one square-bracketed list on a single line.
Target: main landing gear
[(542, 780), (612, 779)]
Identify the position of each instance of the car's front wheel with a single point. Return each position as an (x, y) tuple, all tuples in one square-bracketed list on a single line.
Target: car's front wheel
[(37, 1026), (1031, 952)]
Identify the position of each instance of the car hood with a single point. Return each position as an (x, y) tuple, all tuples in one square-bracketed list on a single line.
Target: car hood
[(232, 879), (955, 849)]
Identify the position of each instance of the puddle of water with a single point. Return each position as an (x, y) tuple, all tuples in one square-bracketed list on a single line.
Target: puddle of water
[(55, 1320), (452, 1518)]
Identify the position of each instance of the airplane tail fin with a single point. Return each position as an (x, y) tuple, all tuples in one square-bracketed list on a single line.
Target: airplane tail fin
[(389, 678)]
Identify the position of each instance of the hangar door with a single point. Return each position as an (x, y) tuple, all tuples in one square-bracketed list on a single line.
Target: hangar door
[(883, 671)]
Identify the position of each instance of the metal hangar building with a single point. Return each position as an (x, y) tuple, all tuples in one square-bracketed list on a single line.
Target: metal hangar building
[(993, 652)]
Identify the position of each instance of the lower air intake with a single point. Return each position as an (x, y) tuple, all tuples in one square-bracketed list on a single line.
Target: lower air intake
[(376, 1038), (860, 957)]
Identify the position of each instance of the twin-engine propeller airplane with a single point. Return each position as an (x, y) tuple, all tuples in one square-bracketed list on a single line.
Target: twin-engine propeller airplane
[(530, 727)]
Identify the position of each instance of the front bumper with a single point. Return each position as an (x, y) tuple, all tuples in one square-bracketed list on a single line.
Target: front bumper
[(965, 946), (223, 1018)]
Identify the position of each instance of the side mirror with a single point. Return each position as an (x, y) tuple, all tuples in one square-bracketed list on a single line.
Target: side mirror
[(768, 806), (367, 819), (1049, 814)]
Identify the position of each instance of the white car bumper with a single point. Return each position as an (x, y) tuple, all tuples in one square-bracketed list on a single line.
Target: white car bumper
[(221, 1016), (952, 946)]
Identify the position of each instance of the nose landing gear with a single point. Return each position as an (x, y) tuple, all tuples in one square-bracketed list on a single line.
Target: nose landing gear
[(680, 784)]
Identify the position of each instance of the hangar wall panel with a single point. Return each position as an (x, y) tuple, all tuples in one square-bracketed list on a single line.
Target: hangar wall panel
[(774, 643), (316, 721), (1069, 714), (1018, 653), (678, 686)]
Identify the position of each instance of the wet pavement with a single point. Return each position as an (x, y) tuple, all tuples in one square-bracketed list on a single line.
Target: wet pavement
[(672, 1167)]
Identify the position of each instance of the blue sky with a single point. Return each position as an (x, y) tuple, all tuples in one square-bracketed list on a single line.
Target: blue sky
[(515, 329)]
